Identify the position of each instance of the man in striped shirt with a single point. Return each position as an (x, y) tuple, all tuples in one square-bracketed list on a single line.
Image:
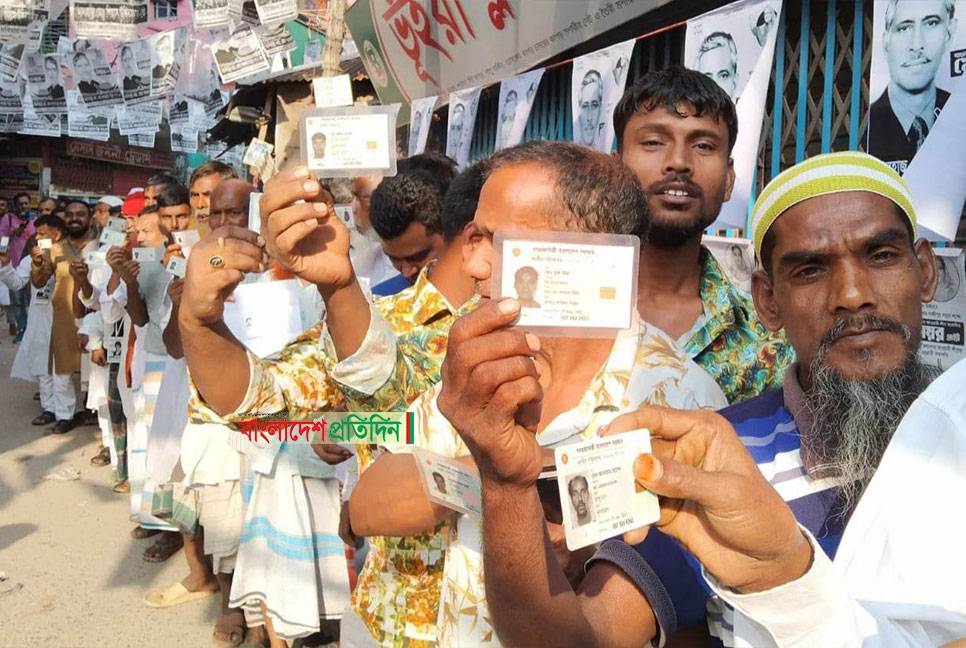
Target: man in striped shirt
[(845, 278)]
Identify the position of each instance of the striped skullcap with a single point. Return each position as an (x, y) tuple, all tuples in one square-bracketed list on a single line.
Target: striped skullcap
[(826, 174)]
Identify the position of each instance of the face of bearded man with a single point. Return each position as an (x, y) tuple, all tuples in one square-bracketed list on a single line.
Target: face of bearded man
[(854, 418)]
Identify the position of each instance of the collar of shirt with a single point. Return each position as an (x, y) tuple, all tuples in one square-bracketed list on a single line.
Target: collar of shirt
[(724, 305), (794, 397), (906, 114)]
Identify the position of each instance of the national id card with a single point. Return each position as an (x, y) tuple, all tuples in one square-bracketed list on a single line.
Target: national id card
[(568, 284), (449, 482), (599, 495)]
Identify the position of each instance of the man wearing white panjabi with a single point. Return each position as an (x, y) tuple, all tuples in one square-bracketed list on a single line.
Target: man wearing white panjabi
[(30, 363), (290, 568)]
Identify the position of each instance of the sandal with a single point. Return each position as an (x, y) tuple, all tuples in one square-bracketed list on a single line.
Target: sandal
[(140, 533), (102, 458), (174, 595), (162, 549), (44, 419), (122, 486), (232, 629)]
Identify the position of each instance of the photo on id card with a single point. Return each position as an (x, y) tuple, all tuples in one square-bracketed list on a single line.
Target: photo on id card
[(568, 284), (450, 483), (599, 496), (345, 141)]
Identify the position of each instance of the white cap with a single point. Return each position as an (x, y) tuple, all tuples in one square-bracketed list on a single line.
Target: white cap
[(111, 201)]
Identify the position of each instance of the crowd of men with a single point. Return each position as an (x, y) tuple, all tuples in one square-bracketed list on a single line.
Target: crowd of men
[(813, 509)]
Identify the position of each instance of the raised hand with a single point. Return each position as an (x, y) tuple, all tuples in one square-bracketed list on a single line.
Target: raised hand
[(175, 291), (99, 357), (307, 239), (491, 395), (714, 499), (216, 266)]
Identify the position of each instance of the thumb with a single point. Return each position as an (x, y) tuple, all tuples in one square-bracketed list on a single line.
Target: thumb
[(676, 480)]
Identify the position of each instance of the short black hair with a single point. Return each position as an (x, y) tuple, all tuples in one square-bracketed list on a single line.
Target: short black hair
[(210, 167), (459, 203), (436, 166), (162, 179), (670, 87), (403, 199), (16, 196), (173, 195), (79, 202), (50, 220)]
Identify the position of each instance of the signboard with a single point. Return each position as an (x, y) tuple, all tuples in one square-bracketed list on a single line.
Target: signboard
[(420, 48), (20, 174), (119, 154)]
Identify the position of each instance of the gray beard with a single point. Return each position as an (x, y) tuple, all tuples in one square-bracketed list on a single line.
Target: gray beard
[(854, 420)]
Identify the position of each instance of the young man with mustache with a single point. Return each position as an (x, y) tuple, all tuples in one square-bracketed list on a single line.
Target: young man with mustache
[(845, 278), (675, 130)]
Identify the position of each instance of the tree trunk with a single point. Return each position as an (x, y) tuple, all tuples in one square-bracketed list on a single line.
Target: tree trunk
[(333, 39)]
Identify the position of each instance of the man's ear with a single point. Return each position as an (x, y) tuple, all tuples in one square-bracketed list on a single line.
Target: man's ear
[(928, 266), (730, 179), (763, 292)]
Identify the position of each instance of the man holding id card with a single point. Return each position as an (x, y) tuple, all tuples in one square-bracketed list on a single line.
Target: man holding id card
[(595, 356)]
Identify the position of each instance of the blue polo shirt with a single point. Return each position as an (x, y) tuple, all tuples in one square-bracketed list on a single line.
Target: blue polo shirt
[(670, 577)]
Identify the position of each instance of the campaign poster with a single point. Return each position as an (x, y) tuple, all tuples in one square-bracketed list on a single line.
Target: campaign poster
[(420, 118), (462, 118), (516, 100), (596, 86), (944, 318)]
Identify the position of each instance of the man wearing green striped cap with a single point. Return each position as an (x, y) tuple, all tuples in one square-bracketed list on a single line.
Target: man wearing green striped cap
[(762, 494)]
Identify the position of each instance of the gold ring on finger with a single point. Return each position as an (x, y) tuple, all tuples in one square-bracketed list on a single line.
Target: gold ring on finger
[(216, 261)]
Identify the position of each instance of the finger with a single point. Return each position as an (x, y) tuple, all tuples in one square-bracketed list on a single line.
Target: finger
[(290, 238), (487, 377), (676, 480), (281, 220), (661, 421), (511, 396), (231, 233), (502, 343), (636, 536), (489, 317), (287, 187)]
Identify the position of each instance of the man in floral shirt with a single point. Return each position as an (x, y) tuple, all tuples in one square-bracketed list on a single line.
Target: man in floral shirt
[(676, 129)]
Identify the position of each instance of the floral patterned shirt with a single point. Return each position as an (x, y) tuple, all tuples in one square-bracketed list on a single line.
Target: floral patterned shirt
[(397, 594), (731, 343), (644, 366)]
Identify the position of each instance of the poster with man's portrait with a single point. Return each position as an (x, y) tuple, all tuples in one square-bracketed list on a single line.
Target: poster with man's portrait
[(944, 319), (134, 63), (736, 256), (516, 100), (462, 119), (92, 74), (45, 83), (596, 86), (916, 87), (734, 46), (167, 53), (420, 118)]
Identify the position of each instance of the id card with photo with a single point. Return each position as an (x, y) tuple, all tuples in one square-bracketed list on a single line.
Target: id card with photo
[(349, 141), (4, 244), (186, 238), (568, 284), (146, 255), (117, 224), (114, 346), (449, 483), (177, 266), (45, 244), (112, 238), (599, 495), (95, 257)]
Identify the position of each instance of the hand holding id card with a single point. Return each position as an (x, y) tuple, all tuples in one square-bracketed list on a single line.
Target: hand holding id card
[(568, 284), (601, 499)]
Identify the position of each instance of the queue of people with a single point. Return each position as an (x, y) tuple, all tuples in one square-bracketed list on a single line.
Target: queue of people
[(804, 458)]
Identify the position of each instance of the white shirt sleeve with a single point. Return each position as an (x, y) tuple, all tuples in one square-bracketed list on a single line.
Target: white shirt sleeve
[(15, 278), (113, 304), (92, 326), (372, 364)]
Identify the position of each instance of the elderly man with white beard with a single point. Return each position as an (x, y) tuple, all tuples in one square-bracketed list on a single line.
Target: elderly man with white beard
[(762, 495)]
